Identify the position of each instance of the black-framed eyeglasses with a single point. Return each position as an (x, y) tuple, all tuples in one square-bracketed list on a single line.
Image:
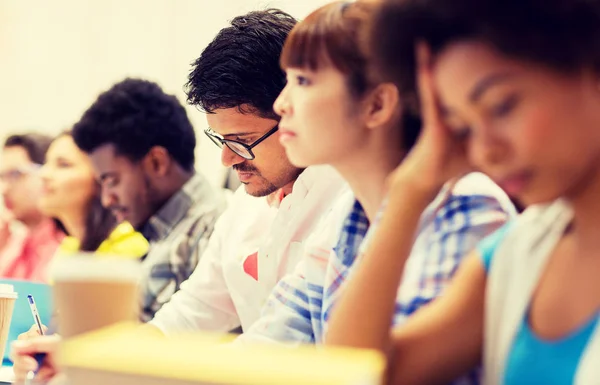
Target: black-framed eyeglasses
[(242, 149)]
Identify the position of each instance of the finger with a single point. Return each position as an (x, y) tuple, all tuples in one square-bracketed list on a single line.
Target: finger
[(23, 365), (427, 96), (25, 336), (58, 379), (36, 330), (29, 334), (40, 344), (45, 374)]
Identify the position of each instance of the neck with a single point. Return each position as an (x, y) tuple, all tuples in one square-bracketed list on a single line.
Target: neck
[(178, 178), (366, 172), (586, 207), (287, 189), (33, 221), (75, 225)]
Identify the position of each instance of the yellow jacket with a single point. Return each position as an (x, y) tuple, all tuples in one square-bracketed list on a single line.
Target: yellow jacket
[(123, 241)]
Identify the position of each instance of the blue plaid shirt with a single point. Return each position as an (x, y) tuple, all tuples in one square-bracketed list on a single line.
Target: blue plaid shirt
[(450, 227)]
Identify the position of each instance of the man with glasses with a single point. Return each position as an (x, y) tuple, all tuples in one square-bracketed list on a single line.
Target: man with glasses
[(25, 254), (262, 234)]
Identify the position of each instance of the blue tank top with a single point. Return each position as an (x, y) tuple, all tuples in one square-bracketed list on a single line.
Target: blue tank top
[(533, 360)]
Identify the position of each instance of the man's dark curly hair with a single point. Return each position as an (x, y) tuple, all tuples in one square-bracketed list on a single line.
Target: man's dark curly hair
[(135, 115), (240, 67)]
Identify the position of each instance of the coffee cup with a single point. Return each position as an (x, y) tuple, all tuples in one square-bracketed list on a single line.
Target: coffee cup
[(8, 296), (91, 292)]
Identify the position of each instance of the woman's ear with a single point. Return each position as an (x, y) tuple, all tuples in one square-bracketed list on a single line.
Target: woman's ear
[(382, 105)]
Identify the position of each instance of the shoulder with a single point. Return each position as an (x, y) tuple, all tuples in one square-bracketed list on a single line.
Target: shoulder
[(124, 241), (322, 180), (519, 237), (205, 200), (472, 199), (68, 245)]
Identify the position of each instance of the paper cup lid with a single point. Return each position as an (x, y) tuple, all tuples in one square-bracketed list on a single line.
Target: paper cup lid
[(7, 291)]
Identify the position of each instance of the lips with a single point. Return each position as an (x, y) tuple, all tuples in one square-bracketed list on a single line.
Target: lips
[(46, 190), (244, 176), (285, 135), (120, 214), (515, 184)]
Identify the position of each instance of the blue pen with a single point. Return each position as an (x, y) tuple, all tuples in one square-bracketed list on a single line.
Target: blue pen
[(35, 313), (39, 357)]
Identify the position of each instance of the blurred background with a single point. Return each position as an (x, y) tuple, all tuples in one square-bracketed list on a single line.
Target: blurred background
[(57, 56)]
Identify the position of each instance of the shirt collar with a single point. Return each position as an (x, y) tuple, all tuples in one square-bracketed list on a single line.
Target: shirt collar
[(274, 199), (306, 181)]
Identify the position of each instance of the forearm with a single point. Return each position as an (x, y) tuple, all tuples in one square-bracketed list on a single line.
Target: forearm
[(363, 316)]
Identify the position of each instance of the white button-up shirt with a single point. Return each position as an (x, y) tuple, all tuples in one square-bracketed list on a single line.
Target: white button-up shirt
[(254, 244)]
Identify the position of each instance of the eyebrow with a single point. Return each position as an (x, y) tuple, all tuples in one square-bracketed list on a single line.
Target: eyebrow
[(232, 134), (486, 83), (63, 159), (107, 175), (240, 134)]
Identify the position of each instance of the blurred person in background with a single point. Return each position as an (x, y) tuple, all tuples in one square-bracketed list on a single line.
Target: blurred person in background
[(25, 252), (71, 195), (494, 93), (141, 145)]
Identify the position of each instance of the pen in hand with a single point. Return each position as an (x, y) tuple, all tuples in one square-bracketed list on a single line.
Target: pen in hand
[(39, 357)]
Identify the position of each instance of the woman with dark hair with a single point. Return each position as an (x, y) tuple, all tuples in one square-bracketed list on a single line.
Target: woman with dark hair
[(71, 194), (511, 87), (363, 135)]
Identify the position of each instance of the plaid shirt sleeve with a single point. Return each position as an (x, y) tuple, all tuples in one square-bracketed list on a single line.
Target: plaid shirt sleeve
[(173, 260), (447, 235), (286, 317), (203, 301), (449, 230), (293, 313)]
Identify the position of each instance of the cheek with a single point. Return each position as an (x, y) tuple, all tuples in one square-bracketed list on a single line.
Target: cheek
[(79, 188), (268, 155), (308, 112), (34, 189), (316, 110), (532, 131), (545, 134)]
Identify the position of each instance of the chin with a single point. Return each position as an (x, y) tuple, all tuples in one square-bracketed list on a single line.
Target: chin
[(300, 161), (259, 191), (539, 196)]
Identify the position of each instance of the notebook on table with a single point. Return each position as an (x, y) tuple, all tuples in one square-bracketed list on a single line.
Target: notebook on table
[(127, 355)]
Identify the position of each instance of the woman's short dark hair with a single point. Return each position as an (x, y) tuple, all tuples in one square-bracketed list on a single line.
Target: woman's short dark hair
[(334, 35), (331, 36), (35, 145), (240, 67), (563, 35), (99, 221)]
